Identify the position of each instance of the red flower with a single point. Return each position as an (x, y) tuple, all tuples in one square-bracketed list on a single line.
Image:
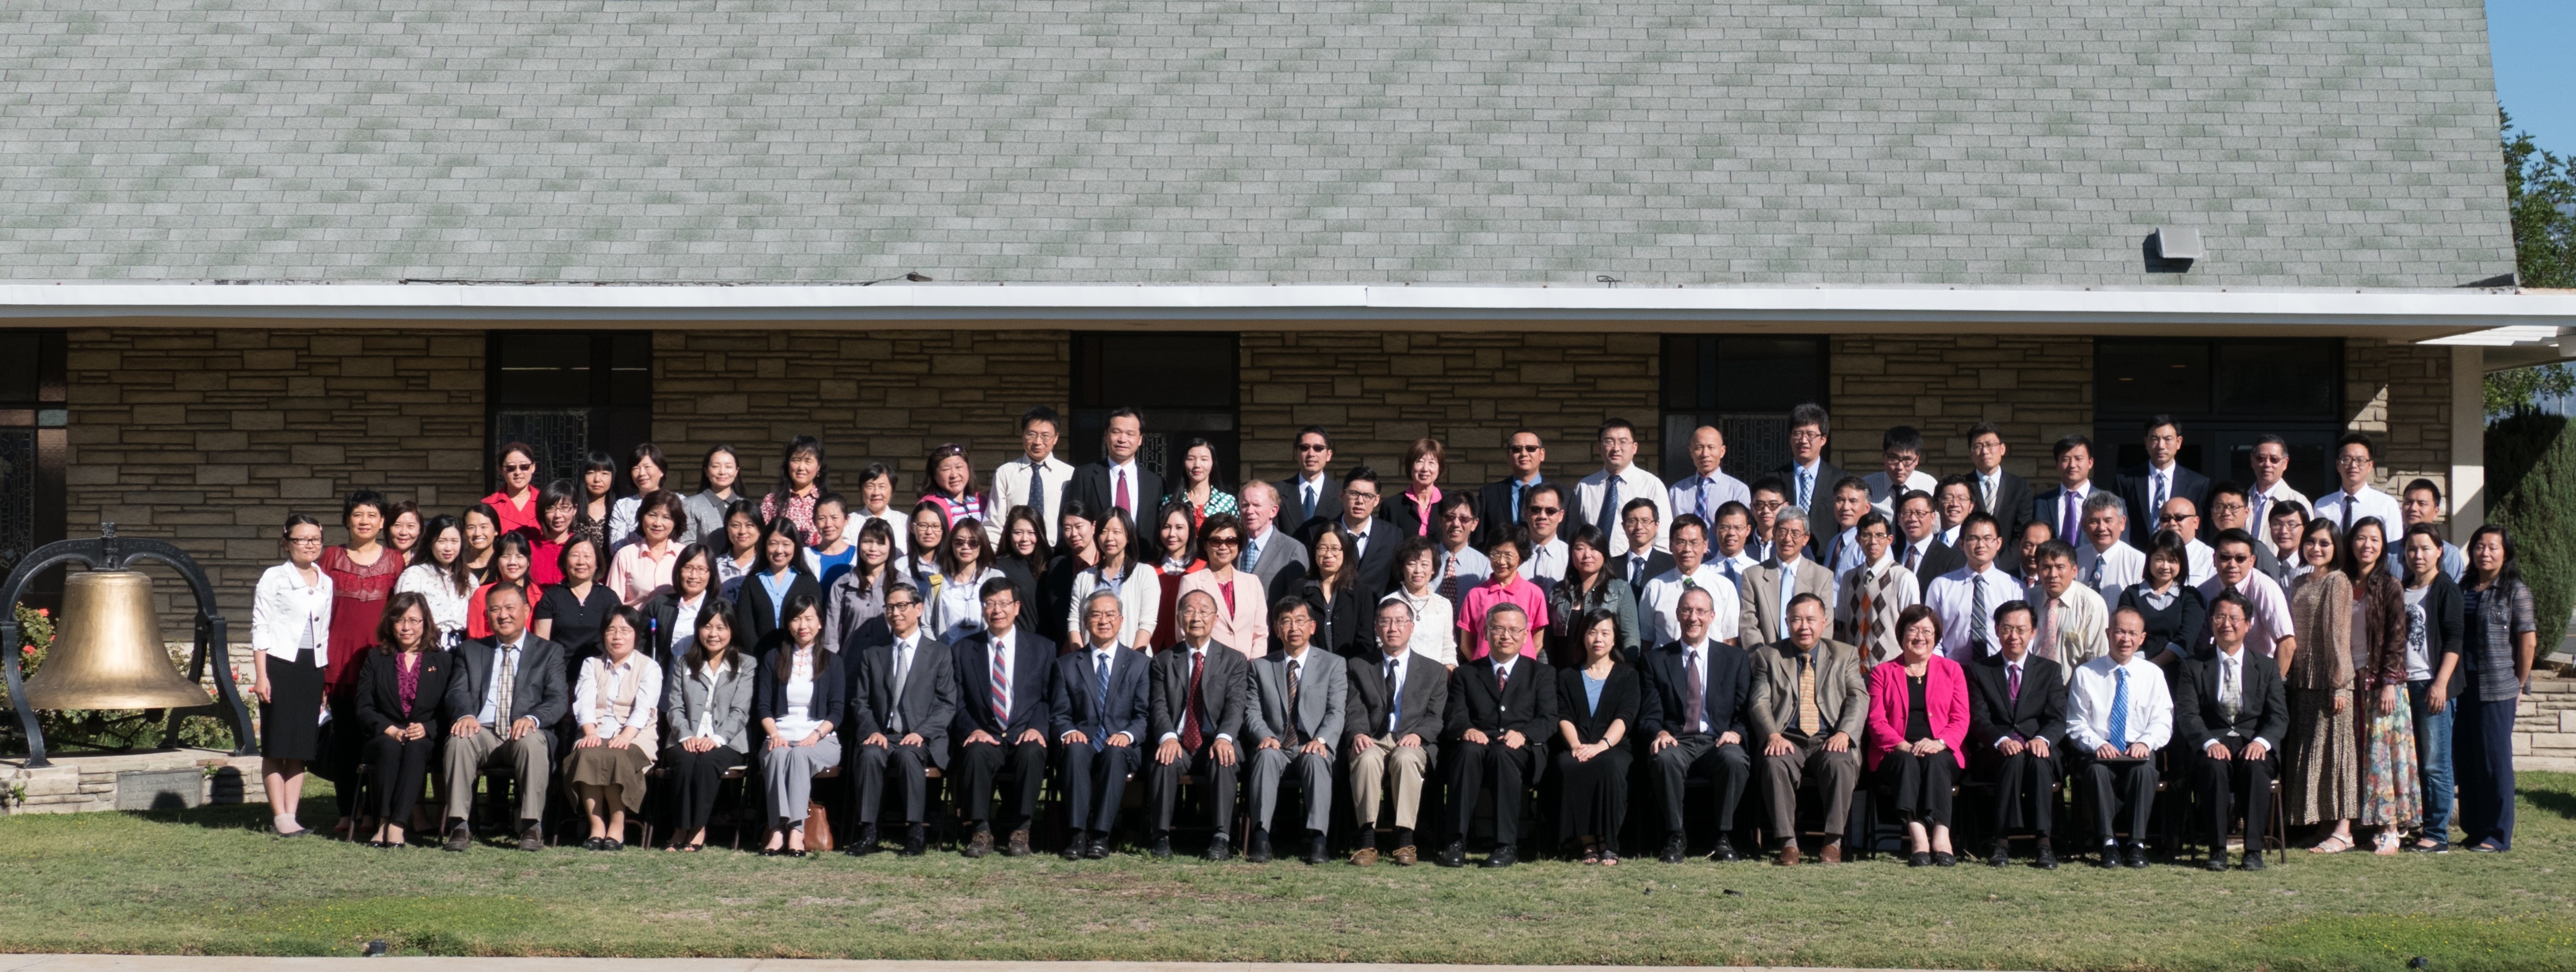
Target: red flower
[(44, 612)]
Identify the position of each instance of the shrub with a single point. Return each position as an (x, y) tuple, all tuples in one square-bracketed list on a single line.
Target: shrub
[(2531, 479)]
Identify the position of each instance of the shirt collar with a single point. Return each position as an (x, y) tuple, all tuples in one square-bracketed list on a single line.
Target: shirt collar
[(1503, 662), (1002, 640)]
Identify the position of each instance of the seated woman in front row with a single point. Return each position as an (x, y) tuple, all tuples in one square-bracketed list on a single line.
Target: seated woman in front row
[(1918, 719), (801, 690), (399, 692), (614, 702), (707, 698)]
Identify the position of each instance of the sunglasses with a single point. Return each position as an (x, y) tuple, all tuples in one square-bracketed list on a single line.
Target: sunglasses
[(1312, 447)]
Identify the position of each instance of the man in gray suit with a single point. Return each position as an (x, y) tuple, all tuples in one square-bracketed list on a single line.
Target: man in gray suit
[(1200, 689), (1298, 696), (900, 713), (1269, 552), (1399, 702), (1809, 706), (501, 711), (1774, 582)]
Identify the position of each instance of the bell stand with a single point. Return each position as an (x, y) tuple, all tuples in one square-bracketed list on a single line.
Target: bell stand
[(110, 552)]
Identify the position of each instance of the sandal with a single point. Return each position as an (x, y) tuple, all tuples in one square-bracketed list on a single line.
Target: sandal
[(2385, 845), (1609, 856), (2332, 845), (1592, 853)]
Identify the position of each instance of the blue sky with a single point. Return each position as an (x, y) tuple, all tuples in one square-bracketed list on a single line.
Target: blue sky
[(2535, 69)]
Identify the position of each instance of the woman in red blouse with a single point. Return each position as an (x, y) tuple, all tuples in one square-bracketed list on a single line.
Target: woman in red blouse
[(517, 500), (363, 572)]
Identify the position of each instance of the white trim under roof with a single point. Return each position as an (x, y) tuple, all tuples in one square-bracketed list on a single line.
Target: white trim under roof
[(2404, 315)]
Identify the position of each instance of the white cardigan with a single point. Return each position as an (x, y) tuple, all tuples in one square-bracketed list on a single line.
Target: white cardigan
[(282, 608), (1140, 597)]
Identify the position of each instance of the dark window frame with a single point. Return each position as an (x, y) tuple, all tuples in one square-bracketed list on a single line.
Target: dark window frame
[(44, 420), (1693, 393), (2217, 438), (612, 426), (1091, 404)]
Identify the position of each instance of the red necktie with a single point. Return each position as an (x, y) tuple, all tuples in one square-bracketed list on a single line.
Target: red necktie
[(1121, 502), (1191, 736)]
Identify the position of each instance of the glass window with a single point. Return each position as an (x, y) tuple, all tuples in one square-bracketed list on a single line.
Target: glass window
[(568, 393), (1744, 385), (1184, 384), (2226, 393), (33, 442)]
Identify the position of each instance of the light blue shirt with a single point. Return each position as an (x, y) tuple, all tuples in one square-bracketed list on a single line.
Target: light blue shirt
[(1788, 589), (776, 585), (505, 664)]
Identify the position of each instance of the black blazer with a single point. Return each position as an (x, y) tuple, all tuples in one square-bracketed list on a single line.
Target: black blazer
[(1345, 628), (752, 609), (2039, 714), (541, 677), (2132, 487), (1225, 688), (1820, 504), (1426, 698), (2264, 712), (1377, 560), (1938, 559), (1399, 509), (1025, 581), (662, 610), (2012, 501), (1292, 505), (1091, 485), (2444, 618), (1619, 703), (1494, 510), (929, 702), (2178, 628), (1073, 701), (1055, 600), (1527, 706), (1657, 562), (1729, 691), (379, 705), (2043, 507), (1032, 661), (831, 688)]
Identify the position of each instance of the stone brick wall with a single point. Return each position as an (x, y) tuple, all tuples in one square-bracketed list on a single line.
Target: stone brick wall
[(883, 396), (1380, 392), (2401, 394), (2036, 388), (209, 438)]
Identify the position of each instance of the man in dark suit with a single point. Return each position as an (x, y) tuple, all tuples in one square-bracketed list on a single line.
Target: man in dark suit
[(1697, 691), (1499, 503), (1002, 717), (2231, 707), (1312, 494), (2145, 488), (503, 697), (1642, 562), (900, 710), (1269, 552), (1808, 478), (2016, 725), (1502, 710), (506, 690), (1397, 708), (1200, 690), (2061, 506), (1116, 480), (1096, 710), (2002, 495), (1378, 539), (1919, 548)]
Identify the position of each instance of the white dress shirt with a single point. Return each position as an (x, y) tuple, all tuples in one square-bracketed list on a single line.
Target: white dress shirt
[(999, 651), (1546, 567), (1953, 598), (1011, 488), (2088, 703), (1473, 569), (2200, 563), (2260, 499), (2110, 571), (2231, 680), (1700, 494), (904, 649), (1635, 483), (1811, 478), (1883, 498), (505, 664), (1198, 660), (684, 623), (1363, 535), (1696, 654), (1658, 609), (1394, 669), (705, 727), (2369, 502), (1435, 624), (590, 708), (2057, 513), (1139, 504)]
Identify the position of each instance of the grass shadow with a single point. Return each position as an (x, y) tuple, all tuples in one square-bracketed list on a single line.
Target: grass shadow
[(2559, 802)]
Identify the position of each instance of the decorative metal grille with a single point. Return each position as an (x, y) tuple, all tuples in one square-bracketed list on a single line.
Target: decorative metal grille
[(560, 436), (1755, 444), (17, 496)]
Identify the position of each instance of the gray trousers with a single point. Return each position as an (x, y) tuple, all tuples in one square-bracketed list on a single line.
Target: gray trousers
[(905, 764), (787, 775), (1381, 769), (1832, 774), (529, 756), (1316, 771)]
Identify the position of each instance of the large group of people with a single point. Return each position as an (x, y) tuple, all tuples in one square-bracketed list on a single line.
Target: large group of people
[(1932, 648)]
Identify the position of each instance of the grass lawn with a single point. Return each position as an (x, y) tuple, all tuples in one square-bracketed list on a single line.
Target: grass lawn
[(208, 882)]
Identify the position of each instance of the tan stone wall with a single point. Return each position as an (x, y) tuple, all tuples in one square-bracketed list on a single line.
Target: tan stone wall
[(2401, 394), (2037, 389), (1379, 393), (884, 396), (209, 438)]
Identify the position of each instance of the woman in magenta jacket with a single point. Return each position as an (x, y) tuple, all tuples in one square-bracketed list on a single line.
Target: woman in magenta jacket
[(1918, 719)]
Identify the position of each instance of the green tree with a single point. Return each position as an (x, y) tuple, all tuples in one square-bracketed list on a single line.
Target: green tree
[(2531, 475), (2540, 193)]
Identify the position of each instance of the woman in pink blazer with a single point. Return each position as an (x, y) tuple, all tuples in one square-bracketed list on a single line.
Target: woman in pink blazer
[(1918, 719), (1242, 611)]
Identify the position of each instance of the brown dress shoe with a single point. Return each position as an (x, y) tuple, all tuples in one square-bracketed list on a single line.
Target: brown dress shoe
[(1364, 856), (532, 839), (1833, 852), (1789, 854), (1019, 846), (980, 844), (1405, 856)]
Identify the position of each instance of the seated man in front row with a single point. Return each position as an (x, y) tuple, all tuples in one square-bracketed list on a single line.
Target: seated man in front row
[(1200, 689), (900, 710), (1502, 709), (1096, 711), (2232, 707), (507, 689), (2118, 713), (1399, 702), (2016, 728), (1697, 690), (1001, 718), (1809, 705), (1298, 695)]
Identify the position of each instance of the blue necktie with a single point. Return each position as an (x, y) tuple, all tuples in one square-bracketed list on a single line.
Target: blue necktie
[(1608, 516), (1806, 490), (2120, 710), (1100, 681)]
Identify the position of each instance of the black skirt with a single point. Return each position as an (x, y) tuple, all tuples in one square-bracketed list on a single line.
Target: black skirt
[(290, 722)]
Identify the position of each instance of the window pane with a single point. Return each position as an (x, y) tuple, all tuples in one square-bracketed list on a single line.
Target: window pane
[(1193, 371), (2277, 378), (2148, 377), (20, 358), (1765, 374), (544, 369)]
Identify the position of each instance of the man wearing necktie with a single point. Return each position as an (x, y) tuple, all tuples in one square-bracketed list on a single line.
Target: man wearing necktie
[(1001, 719), (903, 709), (1096, 710), (1697, 691), (1200, 690), (1502, 710), (1809, 707), (1116, 480), (1296, 719), (506, 689), (2118, 713), (2232, 707), (2016, 728), (1397, 707), (1707, 487)]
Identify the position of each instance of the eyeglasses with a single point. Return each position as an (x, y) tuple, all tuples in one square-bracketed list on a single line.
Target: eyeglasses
[(1356, 494), (899, 605), (2349, 462), (1806, 435)]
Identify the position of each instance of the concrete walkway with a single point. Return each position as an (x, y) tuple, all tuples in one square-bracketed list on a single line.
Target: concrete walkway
[(192, 963)]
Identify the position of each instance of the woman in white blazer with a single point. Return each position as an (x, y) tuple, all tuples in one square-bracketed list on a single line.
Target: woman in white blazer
[(1140, 590), (290, 620)]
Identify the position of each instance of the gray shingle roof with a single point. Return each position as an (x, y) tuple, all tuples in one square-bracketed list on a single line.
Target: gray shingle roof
[(2348, 143)]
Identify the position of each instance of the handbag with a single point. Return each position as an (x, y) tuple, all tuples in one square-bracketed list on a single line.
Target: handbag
[(818, 828)]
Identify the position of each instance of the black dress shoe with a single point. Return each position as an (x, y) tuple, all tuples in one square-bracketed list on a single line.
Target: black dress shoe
[(2137, 854), (1944, 859), (1503, 856), (2253, 861), (2110, 857), (1454, 855), (1919, 859), (1163, 846), (1315, 849), (1260, 850), (1676, 846), (2002, 856), (1726, 850), (1220, 848), (915, 840), (1099, 849), (867, 842), (2217, 862), (1074, 847), (2047, 860)]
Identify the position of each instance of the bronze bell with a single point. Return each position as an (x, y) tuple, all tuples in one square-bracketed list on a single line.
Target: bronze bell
[(107, 651)]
